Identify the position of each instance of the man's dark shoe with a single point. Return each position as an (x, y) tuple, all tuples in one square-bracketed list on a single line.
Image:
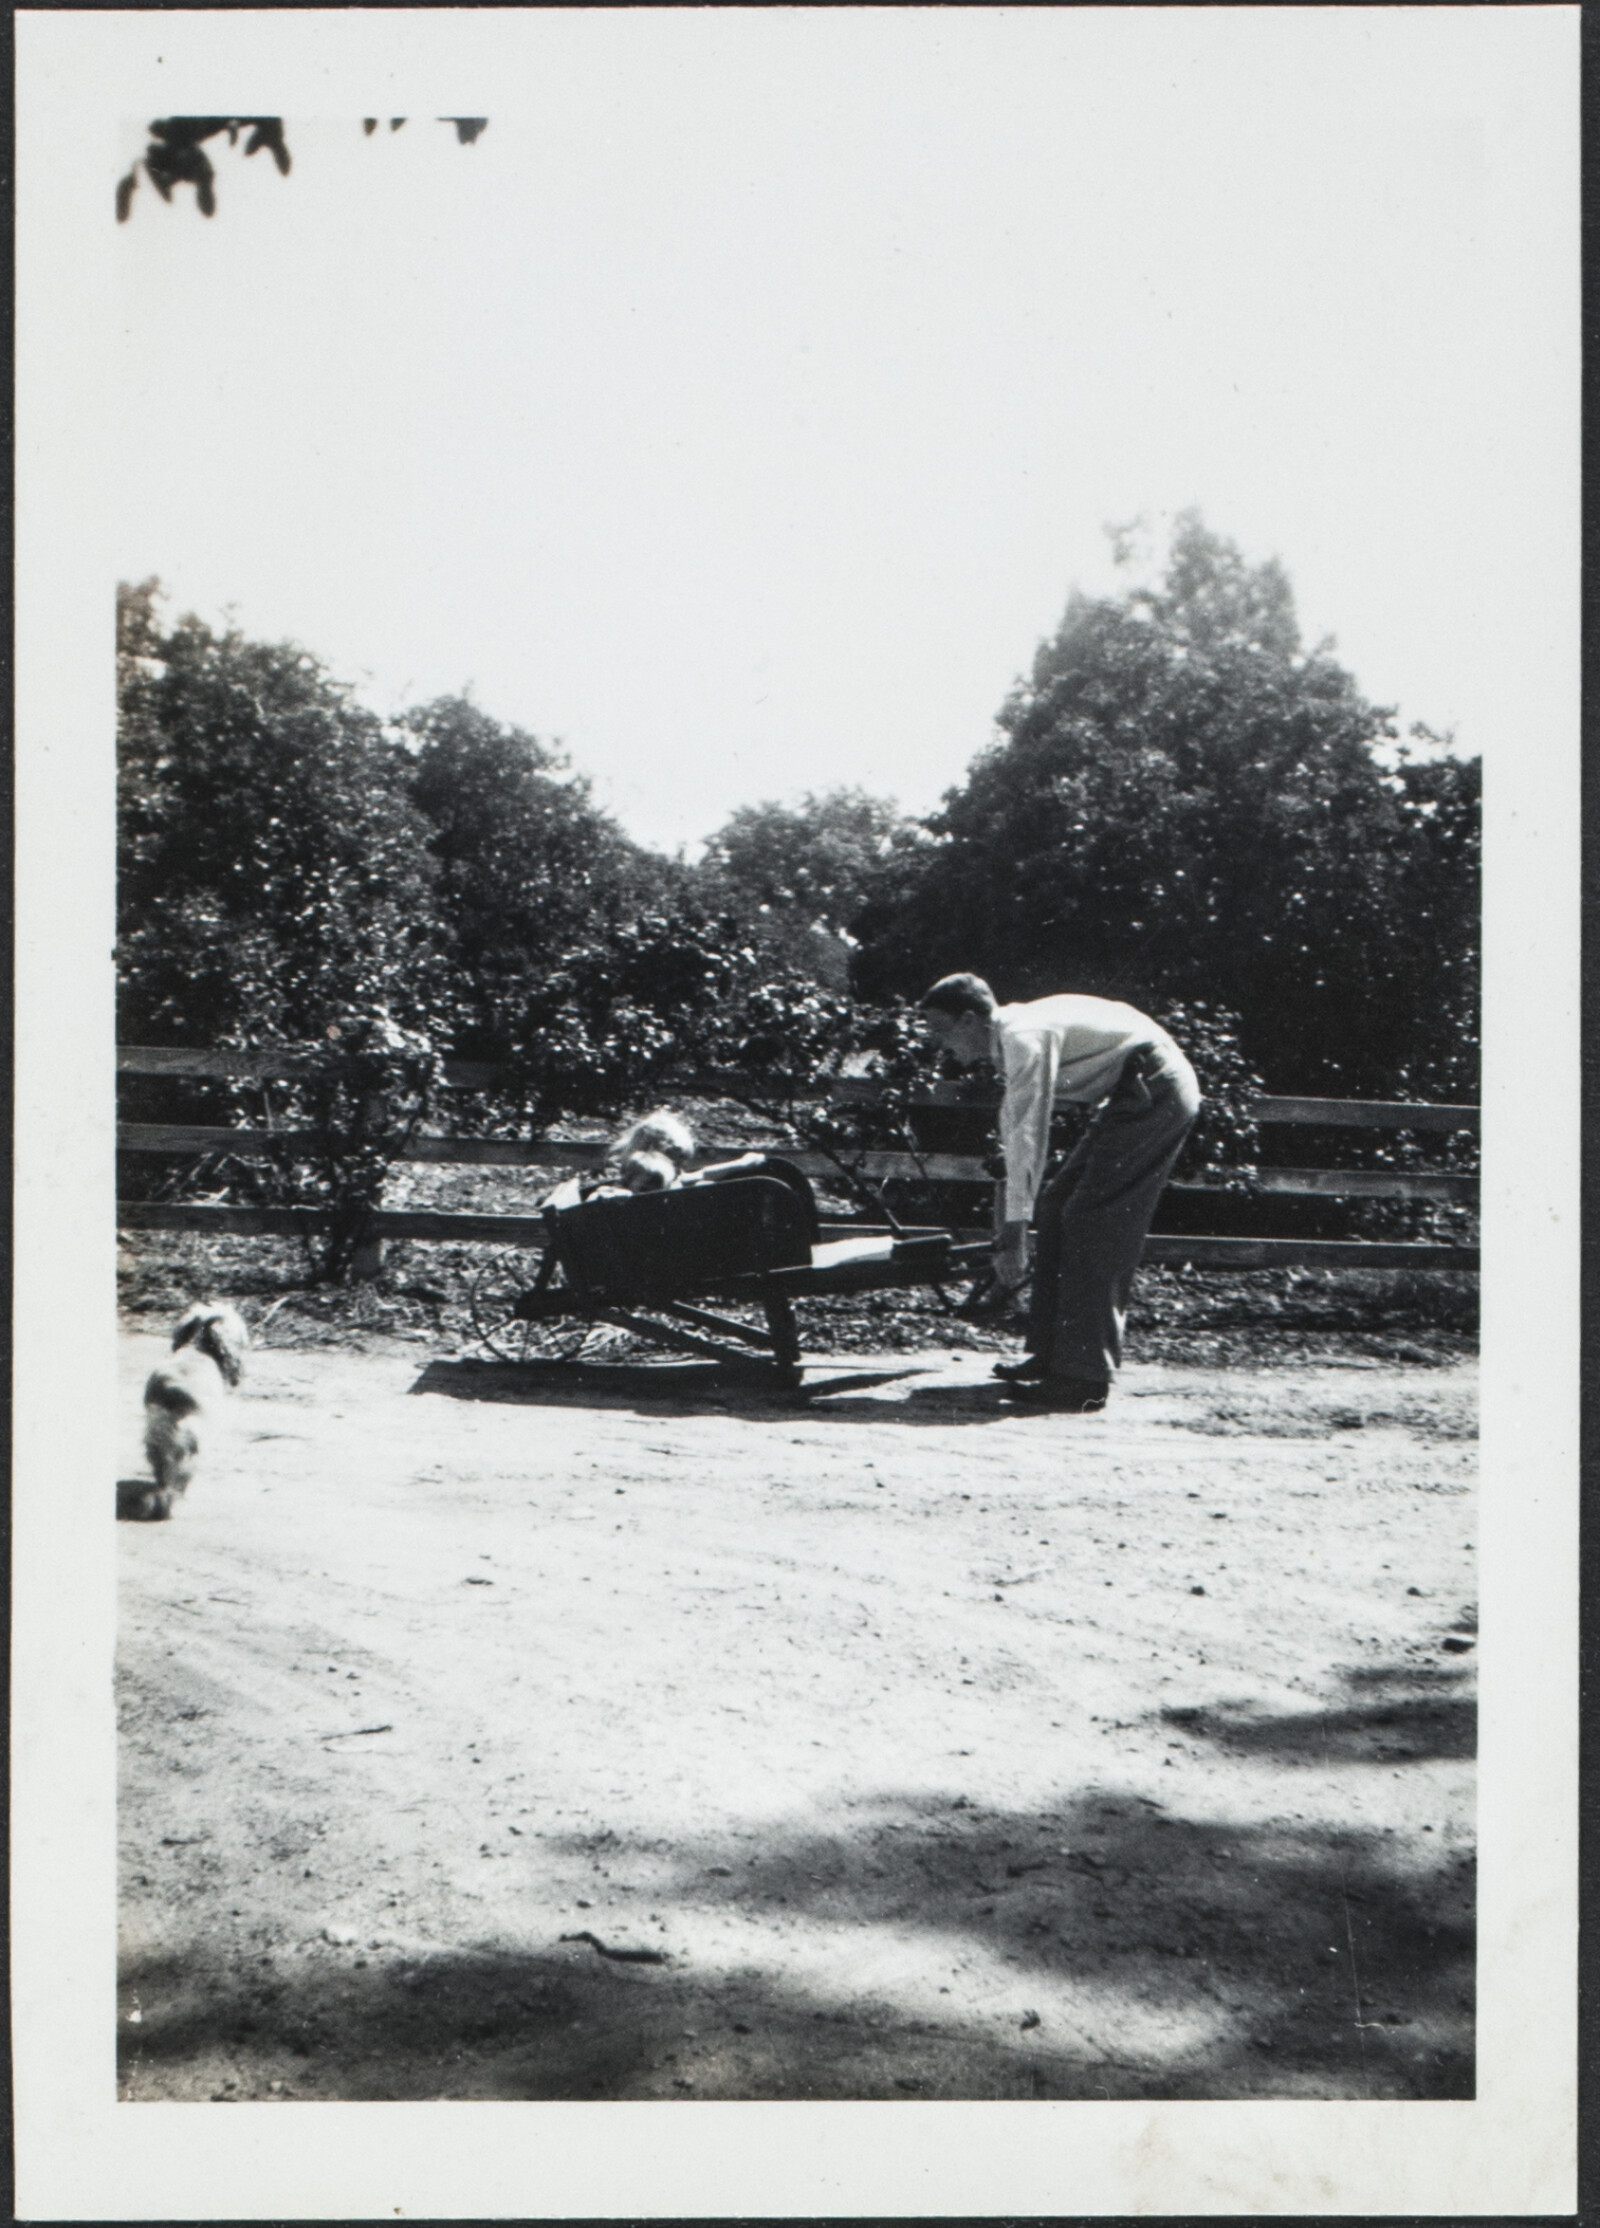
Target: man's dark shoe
[(1070, 1396), (1026, 1372)]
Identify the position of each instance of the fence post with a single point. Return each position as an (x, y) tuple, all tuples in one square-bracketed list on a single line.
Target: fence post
[(366, 1259), (366, 1262)]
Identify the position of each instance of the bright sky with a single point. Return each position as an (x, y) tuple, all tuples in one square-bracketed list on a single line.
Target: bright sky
[(743, 405)]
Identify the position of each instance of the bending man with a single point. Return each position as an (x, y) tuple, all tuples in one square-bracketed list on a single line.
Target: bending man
[(1093, 1216)]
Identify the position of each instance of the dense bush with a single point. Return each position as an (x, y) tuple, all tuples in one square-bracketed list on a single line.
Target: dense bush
[(594, 1032), (347, 1122)]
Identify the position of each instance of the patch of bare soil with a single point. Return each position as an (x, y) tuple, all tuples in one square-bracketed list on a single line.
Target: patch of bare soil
[(1261, 1318), (638, 1733)]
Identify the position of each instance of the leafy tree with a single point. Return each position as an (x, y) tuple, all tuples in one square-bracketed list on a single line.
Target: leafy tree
[(176, 154), (1184, 804), (526, 864), (274, 887), (274, 875), (800, 875), (1435, 956)]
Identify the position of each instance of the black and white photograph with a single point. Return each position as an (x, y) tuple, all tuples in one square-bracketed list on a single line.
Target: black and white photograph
[(797, 1111)]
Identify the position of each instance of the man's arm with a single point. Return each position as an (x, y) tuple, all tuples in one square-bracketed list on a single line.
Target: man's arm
[(1011, 1254), (1029, 1067)]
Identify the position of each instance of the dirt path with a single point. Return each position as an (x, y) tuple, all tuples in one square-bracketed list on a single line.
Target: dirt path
[(934, 1750)]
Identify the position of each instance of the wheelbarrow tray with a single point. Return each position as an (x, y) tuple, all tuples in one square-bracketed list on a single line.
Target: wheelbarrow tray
[(752, 1239)]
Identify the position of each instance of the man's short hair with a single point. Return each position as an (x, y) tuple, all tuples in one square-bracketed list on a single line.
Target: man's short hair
[(959, 994)]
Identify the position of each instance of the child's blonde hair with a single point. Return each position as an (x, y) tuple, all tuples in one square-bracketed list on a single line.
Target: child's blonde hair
[(660, 1132)]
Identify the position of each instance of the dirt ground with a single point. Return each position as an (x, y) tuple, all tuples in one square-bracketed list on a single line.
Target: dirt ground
[(903, 1745)]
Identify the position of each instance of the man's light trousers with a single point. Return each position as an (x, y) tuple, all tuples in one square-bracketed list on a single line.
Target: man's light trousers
[(1092, 1218)]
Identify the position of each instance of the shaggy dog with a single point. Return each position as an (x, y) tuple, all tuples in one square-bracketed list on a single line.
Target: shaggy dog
[(208, 1349)]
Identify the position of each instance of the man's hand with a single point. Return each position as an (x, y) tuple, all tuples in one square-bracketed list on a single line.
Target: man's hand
[(1011, 1256)]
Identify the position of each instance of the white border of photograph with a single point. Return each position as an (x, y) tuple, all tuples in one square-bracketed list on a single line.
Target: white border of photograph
[(81, 2155)]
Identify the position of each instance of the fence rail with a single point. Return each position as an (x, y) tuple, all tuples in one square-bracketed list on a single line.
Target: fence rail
[(529, 1230), (272, 1065), (944, 1168), (844, 1090), (558, 1155), (1397, 1114)]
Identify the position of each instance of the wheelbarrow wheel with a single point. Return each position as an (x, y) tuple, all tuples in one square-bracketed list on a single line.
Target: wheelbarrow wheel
[(510, 1337)]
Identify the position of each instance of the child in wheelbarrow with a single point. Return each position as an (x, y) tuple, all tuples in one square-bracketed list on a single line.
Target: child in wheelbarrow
[(651, 1156)]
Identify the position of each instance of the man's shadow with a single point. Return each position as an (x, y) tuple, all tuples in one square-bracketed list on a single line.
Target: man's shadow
[(828, 1391)]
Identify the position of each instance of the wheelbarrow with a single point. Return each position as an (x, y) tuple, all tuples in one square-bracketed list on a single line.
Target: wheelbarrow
[(644, 1264)]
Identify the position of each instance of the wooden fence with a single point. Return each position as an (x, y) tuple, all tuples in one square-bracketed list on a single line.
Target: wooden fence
[(563, 1155)]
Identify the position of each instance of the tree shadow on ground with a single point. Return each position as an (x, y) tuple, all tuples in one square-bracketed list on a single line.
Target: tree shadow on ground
[(1164, 1955), (491, 2023), (1398, 1725), (688, 1387), (1103, 1946)]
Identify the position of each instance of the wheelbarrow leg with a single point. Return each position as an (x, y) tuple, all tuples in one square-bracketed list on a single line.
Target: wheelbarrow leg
[(785, 1337)]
